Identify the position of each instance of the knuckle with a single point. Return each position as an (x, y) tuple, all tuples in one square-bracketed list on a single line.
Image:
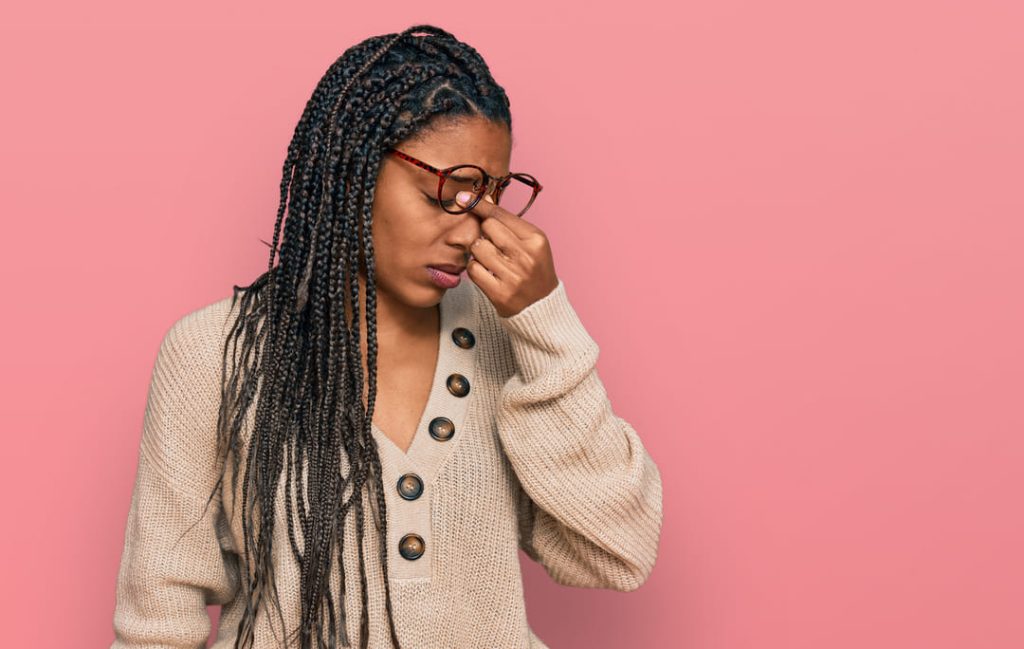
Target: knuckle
[(537, 242)]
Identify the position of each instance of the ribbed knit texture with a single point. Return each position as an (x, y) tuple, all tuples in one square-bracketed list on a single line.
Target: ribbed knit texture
[(539, 461)]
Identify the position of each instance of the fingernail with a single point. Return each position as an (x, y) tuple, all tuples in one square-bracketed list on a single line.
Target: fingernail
[(463, 197)]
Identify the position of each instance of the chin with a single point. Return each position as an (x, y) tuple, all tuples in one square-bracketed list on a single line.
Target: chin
[(415, 290), (425, 294)]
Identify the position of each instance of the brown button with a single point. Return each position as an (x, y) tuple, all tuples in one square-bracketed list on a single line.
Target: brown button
[(441, 429), (410, 486), (412, 546), (463, 337), (458, 385)]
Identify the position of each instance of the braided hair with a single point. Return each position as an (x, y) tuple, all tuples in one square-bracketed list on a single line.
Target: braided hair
[(293, 349)]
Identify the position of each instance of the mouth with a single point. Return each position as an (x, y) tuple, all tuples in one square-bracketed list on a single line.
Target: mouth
[(444, 278), (451, 269)]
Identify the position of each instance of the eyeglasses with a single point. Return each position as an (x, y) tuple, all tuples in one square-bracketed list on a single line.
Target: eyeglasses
[(517, 190)]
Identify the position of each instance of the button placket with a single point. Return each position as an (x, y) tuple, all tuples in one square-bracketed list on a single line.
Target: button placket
[(412, 546), (410, 486), (441, 428), (410, 528)]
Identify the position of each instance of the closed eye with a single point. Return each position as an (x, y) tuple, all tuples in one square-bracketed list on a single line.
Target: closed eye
[(433, 201)]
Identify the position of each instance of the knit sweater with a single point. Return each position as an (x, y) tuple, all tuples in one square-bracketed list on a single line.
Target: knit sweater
[(538, 461)]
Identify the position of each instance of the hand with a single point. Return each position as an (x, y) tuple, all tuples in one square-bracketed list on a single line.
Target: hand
[(512, 262)]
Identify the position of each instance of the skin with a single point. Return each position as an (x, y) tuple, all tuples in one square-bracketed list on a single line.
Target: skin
[(510, 260)]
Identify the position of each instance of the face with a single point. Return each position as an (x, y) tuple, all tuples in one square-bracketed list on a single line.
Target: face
[(410, 230)]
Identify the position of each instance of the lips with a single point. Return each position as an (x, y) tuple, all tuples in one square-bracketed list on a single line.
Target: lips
[(449, 268), (443, 278)]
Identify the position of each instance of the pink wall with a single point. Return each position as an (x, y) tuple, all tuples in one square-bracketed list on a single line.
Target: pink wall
[(806, 287)]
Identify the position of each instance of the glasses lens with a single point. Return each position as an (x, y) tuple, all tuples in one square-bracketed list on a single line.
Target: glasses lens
[(465, 178), (516, 195)]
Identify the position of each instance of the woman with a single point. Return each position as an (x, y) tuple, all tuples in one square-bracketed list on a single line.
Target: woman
[(385, 513)]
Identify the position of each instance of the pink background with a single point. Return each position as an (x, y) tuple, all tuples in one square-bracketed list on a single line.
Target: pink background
[(794, 228)]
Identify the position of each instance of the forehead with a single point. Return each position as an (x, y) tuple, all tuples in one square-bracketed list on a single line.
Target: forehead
[(465, 141)]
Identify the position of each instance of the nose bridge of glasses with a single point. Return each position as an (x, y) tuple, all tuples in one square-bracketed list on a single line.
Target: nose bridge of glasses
[(494, 184)]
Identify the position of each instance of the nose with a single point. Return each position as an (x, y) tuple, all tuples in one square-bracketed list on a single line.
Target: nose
[(465, 230)]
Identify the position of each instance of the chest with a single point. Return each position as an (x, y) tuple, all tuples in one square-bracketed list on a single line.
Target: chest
[(403, 389)]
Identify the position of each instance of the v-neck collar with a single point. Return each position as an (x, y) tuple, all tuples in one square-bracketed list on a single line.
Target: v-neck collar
[(426, 453)]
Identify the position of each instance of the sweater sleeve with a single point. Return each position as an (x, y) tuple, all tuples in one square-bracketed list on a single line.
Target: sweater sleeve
[(174, 562), (590, 506)]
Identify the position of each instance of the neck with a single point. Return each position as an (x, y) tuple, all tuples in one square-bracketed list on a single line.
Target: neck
[(400, 328)]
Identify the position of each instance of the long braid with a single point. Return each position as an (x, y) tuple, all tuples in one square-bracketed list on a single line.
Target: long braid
[(294, 350)]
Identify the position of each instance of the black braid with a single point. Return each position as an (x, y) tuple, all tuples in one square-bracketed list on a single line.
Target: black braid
[(294, 352)]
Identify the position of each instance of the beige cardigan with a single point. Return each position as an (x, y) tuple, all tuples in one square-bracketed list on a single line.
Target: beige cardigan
[(538, 461)]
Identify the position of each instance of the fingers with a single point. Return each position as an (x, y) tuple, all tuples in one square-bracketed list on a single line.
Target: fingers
[(499, 236), (483, 278), (491, 258), (488, 210), (495, 230)]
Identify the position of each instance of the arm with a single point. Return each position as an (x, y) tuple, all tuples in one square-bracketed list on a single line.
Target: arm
[(171, 570), (590, 508)]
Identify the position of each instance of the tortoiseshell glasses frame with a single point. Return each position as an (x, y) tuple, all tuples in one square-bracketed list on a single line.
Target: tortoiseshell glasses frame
[(492, 185)]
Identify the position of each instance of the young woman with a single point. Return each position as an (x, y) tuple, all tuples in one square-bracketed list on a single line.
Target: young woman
[(352, 449)]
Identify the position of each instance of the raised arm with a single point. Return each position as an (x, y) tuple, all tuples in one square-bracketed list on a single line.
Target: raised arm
[(174, 561), (590, 510)]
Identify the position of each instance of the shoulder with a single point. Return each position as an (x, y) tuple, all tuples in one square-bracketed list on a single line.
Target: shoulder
[(207, 320), (551, 319), (546, 337), (487, 318), (180, 436), (192, 345)]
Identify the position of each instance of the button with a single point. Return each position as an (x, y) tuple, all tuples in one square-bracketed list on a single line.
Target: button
[(441, 429), (463, 337), (458, 385), (410, 486), (412, 546)]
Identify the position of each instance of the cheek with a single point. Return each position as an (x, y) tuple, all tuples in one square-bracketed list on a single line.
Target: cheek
[(400, 237)]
